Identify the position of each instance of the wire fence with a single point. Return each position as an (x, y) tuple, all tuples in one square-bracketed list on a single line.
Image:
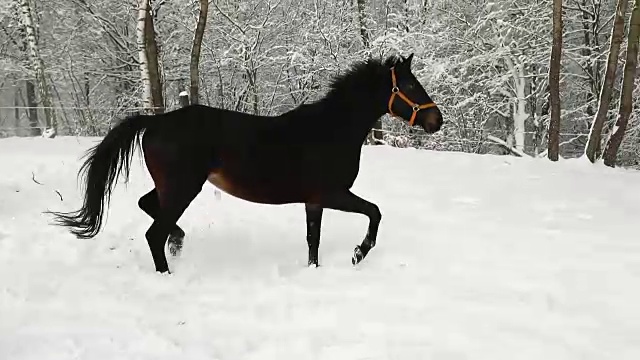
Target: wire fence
[(132, 109), (452, 137)]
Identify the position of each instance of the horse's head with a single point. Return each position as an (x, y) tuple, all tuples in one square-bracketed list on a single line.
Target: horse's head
[(409, 100)]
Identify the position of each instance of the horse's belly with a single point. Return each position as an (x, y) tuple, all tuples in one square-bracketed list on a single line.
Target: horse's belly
[(265, 193)]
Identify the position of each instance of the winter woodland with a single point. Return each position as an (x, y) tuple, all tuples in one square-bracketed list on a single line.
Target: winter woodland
[(499, 70)]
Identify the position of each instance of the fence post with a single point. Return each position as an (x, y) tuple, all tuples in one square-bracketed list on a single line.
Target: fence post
[(184, 98)]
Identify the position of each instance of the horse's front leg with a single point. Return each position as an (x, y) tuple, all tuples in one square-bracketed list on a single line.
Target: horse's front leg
[(349, 202)]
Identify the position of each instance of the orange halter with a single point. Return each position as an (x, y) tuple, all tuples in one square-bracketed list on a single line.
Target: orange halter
[(396, 91)]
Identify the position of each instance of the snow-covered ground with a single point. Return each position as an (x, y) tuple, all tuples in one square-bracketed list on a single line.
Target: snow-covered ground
[(478, 257)]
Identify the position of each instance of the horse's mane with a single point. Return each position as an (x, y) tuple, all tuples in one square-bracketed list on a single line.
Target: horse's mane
[(359, 75), (352, 86)]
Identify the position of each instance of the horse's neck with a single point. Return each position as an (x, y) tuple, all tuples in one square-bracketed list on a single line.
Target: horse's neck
[(345, 114), (353, 118)]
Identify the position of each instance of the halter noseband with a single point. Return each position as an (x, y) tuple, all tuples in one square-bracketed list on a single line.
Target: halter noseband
[(396, 91)]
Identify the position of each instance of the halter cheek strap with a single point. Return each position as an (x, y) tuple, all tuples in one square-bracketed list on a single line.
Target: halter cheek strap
[(396, 91)]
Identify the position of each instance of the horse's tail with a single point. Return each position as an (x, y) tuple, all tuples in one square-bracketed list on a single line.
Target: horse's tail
[(99, 172)]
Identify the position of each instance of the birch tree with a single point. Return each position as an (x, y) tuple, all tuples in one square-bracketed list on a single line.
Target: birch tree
[(39, 68), (18, 39), (625, 107), (152, 98), (143, 12), (593, 147)]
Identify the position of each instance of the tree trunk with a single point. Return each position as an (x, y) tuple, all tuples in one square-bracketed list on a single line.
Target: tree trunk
[(520, 114), (38, 67), (155, 75), (595, 134), (518, 99), (624, 111), (16, 111), (375, 137), (32, 104), (554, 82), (152, 98), (143, 13), (590, 24), (183, 98), (362, 15), (195, 51)]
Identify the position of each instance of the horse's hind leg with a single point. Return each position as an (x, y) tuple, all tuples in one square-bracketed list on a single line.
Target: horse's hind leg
[(174, 200), (314, 221), (150, 204)]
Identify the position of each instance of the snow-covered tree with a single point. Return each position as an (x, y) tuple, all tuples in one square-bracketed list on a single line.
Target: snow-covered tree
[(625, 107), (592, 150)]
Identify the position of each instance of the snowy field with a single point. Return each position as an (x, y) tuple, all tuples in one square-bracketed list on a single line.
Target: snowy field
[(478, 257)]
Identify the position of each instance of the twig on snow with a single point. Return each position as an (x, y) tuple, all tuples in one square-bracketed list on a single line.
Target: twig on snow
[(33, 177), (504, 144)]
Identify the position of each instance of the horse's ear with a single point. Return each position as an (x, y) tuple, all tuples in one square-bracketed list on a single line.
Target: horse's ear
[(408, 60)]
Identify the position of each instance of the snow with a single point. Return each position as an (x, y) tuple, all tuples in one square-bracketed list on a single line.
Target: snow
[(478, 257)]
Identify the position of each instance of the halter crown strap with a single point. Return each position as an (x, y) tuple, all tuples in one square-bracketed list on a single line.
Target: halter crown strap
[(396, 91)]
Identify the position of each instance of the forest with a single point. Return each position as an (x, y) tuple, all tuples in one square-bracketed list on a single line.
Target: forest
[(533, 78)]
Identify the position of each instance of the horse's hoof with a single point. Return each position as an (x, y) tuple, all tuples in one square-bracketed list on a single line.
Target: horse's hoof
[(313, 263), (175, 245), (358, 255), (175, 249)]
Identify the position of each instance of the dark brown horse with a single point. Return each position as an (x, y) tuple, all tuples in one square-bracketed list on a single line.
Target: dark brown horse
[(308, 155)]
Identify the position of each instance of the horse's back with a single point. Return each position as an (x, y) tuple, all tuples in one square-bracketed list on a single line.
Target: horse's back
[(259, 159)]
